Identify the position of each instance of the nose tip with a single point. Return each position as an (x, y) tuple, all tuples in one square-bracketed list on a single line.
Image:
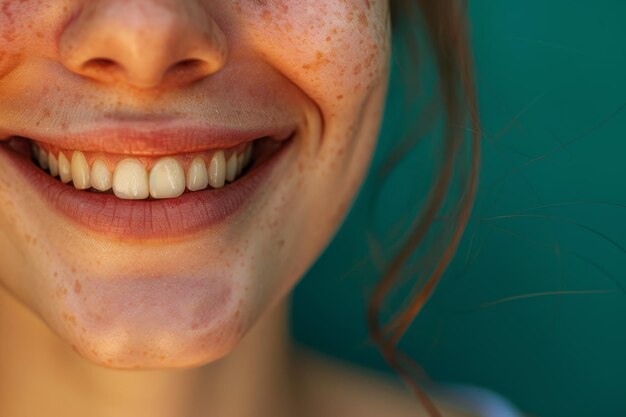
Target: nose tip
[(143, 43)]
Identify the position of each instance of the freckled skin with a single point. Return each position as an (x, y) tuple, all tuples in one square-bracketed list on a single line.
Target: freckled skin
[(187, 302)]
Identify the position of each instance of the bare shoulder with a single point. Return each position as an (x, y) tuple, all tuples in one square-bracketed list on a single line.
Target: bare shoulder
[(336, 388)]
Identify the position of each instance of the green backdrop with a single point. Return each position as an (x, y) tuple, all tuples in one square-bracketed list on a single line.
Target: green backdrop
[(533, 305)]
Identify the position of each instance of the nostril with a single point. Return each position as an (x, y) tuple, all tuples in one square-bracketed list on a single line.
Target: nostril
[(188, 64), (104, 69), (99, 64), (188, 70)]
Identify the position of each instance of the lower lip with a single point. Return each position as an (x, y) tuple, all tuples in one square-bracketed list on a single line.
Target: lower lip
[(175, 218)]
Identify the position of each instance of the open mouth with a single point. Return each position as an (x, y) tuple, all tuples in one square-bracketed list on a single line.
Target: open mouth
[(137, 178), (143, 196)]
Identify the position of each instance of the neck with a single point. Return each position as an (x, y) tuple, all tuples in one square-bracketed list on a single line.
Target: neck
[(40, 375)]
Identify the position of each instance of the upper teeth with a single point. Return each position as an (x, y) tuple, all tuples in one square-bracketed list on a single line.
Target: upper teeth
[(167, 178)]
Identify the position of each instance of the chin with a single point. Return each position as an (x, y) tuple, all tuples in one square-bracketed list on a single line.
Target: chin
[(138, 354), (152, 323)]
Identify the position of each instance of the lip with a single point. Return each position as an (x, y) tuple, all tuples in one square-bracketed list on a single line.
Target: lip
[(176, 218), (142, 139)]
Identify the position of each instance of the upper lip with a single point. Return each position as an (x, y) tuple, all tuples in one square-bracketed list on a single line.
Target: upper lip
[(244, 101), (156, 138)]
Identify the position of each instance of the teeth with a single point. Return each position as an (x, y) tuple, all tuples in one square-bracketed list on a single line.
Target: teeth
[(80, 171), (54, 165), (42, 158), (217, 170), (167, 179), (130, 180), (101, 177), (231, 168), (247, 156), (239, 163), (197, 176), (65, 169)]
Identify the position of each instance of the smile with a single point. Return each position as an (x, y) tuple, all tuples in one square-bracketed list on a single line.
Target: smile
[(135, 178), (146, 192)]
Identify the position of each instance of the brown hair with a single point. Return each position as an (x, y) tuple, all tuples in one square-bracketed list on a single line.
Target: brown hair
[(446, 27)]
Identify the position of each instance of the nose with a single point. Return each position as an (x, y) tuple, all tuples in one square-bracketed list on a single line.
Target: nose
[(143, 43)]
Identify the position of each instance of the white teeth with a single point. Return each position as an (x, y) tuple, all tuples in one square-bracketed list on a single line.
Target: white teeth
[(197, 177), (80, 171), (239, 163), (65, 169), (53, 164), (130, 180), (231, 168), (247, 156), (167, 179), (217, 170), (42, 158), (101, 177)]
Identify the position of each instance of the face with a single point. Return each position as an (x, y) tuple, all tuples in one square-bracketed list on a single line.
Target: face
[(169, 169)]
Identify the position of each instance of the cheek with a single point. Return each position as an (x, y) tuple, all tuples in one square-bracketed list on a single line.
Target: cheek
[(27, 26), (333, 50)]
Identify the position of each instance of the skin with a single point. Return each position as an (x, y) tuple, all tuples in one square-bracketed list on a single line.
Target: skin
[(222, 294)]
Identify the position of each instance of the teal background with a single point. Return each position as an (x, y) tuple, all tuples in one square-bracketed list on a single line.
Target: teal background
[(533, 305)]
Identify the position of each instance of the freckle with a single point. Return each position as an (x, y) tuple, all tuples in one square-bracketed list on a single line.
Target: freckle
[(6, 11), (61, 292), (77, 287), (70, 319), (340, 96), (73, 270), (55, 274), (281, 243), (357, 69), (362, 19)]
